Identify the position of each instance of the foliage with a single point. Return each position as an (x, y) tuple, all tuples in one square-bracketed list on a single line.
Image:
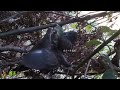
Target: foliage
[(88, 28), (93, 42), (74, 25), (109, 74), (89, 36), (12, 73)]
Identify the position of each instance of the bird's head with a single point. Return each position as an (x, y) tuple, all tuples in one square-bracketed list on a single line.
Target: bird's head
[(59, 30)]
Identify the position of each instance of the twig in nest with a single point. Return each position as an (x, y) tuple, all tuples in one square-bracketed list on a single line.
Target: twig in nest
[(87, 68), (9, 48)]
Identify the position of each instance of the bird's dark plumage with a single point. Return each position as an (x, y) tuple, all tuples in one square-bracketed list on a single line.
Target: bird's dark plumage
[(45, 42), (41, 59), (41, 56), (61, 59), (67, 40), (71, 36), (47, 54)]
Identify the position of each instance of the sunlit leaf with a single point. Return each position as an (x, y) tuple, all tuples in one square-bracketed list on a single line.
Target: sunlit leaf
[(88, 28), (111, 32), (93, 42), (109, 74), (98, 76), (12, 73), (104, 29), (74, 25)]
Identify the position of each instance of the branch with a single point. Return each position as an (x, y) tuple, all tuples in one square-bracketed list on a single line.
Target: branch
[(75, 73), (13, 16), (96, 51), (85, 74), (37, 28), (69, 16), (17, 49)]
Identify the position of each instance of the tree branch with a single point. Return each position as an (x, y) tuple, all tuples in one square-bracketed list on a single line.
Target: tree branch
[(95, 51), (69, 16), (37, 28), (13, 16), (85, 74), (75, 73), (17, 49)]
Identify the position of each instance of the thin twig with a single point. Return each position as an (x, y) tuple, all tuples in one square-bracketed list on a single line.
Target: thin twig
[(75, 73), (87, 68), (59, 14), (14, 16), (9, 48)]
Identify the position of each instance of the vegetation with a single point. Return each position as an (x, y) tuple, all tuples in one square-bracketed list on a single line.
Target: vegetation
[(96, 51)]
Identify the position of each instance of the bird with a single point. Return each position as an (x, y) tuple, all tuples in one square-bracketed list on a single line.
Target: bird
[(45, 42), (61, 59), (40, 57), (47, 54)]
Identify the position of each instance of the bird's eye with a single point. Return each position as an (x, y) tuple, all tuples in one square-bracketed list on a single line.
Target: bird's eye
[(54, 32)]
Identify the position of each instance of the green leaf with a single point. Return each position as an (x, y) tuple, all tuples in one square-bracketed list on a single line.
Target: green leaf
[(93, 42), (74, 25), (104, 29), (88, 28), (12, 73), (109, 74), (111, 32), (98, 76)]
